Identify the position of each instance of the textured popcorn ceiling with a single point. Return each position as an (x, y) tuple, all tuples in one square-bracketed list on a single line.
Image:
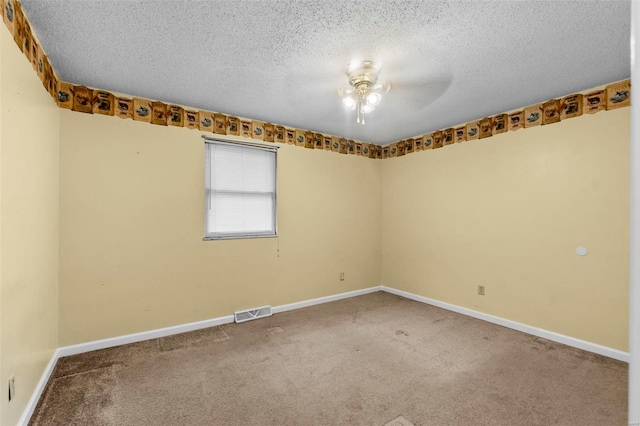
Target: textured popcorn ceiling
[(282, 61)]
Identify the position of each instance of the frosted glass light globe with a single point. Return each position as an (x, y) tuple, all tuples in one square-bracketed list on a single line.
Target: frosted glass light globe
[(374, 99), (349, 102)]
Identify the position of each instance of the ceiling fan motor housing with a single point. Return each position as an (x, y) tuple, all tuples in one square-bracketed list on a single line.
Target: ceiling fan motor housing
[(363, 73)]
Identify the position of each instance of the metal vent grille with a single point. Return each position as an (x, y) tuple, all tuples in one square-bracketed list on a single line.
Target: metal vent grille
[(251, 314)]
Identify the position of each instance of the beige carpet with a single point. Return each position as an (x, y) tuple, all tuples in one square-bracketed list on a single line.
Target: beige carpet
[(371, 360)]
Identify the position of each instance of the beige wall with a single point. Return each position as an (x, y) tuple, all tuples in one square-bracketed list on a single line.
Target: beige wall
[(29, 224), (2, 37), (508, 213), (132, 256)]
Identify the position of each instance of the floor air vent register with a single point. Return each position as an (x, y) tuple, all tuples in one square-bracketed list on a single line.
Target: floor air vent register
[(251, 314)]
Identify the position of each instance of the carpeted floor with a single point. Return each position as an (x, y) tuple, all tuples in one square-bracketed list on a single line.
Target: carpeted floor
[(371, 360)]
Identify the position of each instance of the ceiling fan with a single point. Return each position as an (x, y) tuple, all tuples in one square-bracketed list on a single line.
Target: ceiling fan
[(365, 93)]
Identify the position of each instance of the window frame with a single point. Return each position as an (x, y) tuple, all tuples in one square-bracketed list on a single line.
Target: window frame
[(208, 191)]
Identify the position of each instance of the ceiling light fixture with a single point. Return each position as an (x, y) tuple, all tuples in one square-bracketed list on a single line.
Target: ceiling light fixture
[(364, 95)]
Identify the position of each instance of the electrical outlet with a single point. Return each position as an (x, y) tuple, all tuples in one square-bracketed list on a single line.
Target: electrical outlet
[(481, 290), (341, 276), (12, 388)]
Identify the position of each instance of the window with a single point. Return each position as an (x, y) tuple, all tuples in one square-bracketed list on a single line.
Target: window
[(240, 190)]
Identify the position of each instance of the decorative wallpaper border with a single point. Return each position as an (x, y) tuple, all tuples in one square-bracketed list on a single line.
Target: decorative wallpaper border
[(614, 96), (96, 101)]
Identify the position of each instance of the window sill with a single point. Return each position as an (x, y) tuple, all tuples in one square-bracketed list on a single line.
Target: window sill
[(238, 237)]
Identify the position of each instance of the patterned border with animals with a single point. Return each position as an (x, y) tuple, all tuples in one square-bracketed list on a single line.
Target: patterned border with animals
[(613, 96)]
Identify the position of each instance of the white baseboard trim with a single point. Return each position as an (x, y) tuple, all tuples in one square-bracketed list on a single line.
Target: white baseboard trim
[(35, 396), (545, 334), (142, 336), (161, 332), (192, 326), (326, 299)]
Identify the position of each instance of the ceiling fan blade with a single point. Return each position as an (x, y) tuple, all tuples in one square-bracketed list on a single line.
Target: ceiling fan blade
[(417, 94), (382, 88)]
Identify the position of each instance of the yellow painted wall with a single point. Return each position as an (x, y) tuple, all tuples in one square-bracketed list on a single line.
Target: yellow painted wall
[(2, 36), (29, 224), (132, 256), (508, 212)]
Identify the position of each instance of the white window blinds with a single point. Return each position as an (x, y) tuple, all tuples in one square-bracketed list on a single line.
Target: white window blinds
[(240, 191)]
